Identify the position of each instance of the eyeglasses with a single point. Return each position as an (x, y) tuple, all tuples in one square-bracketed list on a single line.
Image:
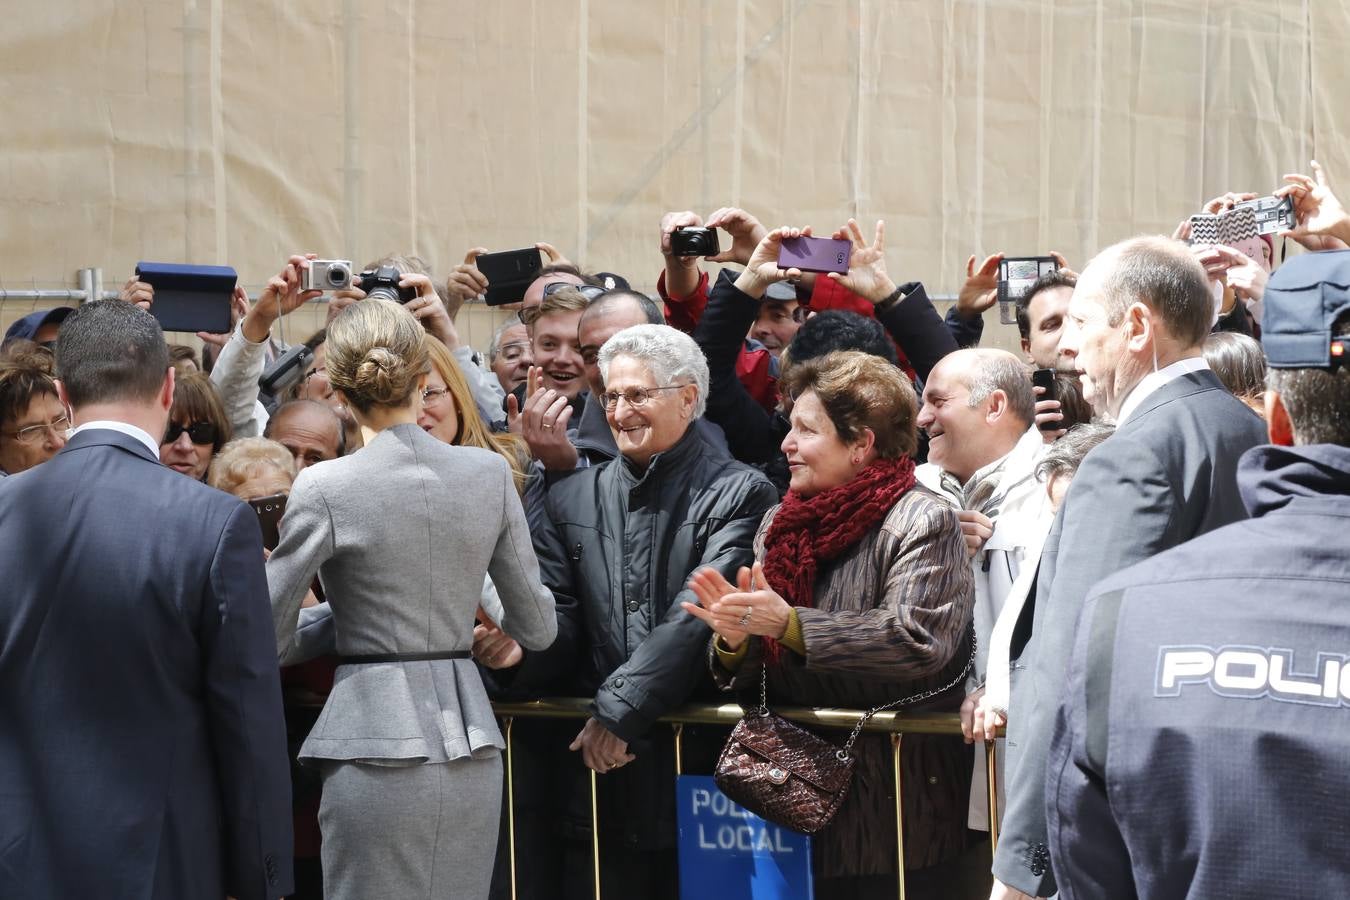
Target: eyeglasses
[(200, 433), (34, 433), (430, 395), (513, 351), (636, 397)]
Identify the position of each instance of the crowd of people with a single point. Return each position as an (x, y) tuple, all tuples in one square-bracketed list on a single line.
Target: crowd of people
[(792, 487)]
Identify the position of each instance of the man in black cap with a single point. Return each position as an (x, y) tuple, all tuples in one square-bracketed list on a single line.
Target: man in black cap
[(40, 327), (1200, 746)]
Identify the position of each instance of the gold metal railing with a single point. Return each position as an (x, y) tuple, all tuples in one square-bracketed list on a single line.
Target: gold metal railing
[(896, 724)]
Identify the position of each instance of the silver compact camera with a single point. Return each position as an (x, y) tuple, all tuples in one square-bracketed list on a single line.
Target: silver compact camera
[(327, 275)]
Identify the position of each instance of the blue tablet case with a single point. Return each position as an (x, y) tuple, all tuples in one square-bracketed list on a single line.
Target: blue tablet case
[(190, 298)]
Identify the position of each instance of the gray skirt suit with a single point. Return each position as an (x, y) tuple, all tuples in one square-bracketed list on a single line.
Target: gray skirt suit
[(401, 534)]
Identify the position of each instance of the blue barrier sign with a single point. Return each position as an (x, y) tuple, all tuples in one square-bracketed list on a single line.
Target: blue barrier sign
[(731, 854)]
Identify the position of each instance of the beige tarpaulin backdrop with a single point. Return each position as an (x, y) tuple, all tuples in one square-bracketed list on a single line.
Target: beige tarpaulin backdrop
[(224, 132)]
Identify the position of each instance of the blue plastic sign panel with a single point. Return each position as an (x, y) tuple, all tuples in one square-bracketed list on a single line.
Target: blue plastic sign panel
[(731, 854)]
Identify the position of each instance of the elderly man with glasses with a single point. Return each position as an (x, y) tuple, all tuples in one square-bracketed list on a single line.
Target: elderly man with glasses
[(616, 547), (33, 420)]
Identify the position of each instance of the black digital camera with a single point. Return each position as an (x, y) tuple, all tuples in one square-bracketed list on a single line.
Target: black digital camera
[(694, 242), (288, 369), (383, 283)]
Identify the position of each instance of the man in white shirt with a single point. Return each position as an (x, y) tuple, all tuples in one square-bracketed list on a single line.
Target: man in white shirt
[(983, 447)]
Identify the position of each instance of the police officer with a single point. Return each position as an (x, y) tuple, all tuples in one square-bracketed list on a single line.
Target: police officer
[(1200, 747)]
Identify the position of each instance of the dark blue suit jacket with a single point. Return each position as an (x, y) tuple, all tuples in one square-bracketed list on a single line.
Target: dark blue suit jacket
[(142, 748), (1168, 473)]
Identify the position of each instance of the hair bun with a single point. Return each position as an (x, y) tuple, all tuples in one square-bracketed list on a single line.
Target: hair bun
[(382, 375)]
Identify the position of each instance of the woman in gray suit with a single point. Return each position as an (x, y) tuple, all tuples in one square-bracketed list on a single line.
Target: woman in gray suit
[(402, 533)]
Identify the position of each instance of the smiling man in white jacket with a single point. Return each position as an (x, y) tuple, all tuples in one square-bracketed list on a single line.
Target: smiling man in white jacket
[(983, 447)]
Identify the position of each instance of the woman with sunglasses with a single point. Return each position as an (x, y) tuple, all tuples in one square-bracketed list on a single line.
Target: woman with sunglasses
[(198, 427), (33, 420)]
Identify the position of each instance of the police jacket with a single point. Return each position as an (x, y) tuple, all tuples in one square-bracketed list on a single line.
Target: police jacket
[(1200, 749)]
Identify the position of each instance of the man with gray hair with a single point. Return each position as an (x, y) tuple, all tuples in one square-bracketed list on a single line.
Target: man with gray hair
[(983, 447), (617, 547), (1135, 332)]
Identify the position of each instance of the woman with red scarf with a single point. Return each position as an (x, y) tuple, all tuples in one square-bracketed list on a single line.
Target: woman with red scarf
[(861, 595)]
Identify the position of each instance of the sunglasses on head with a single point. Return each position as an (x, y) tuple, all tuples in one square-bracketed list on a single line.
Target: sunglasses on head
[(530, 315), (198, 432)]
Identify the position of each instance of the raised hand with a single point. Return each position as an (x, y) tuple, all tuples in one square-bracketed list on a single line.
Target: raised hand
[(1227, 201), (980, 292), (1317, 210), (137, 292), (280, 297), (465, 282), (552, 255), (672, 222), (745, 230), (866, 274), (428, 309), (543, 423), (761, 270)]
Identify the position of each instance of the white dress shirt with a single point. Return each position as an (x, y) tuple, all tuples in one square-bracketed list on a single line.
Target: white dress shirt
[(129, 430), (1154, 380)]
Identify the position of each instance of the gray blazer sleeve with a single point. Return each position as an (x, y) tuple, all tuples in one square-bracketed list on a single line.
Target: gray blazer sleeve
[(1120, 509), (527, 606), (306, 543)]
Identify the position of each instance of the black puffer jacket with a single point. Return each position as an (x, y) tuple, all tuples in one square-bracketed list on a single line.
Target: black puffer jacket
[(617, 551)]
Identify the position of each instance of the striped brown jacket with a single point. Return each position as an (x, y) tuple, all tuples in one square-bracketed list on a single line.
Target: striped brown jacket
[(890, 618)]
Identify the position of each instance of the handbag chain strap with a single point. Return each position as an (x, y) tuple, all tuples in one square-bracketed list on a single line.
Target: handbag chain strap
[(844, 752)]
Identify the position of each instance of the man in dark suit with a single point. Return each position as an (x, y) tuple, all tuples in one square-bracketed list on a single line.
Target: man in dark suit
[(1216, 672), (1136, 323), (142, 748)]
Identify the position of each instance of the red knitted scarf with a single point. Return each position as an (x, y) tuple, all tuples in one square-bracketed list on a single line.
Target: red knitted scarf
[(808, 531)]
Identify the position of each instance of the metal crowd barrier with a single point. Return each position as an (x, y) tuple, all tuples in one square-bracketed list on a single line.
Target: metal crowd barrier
[(896, 724)]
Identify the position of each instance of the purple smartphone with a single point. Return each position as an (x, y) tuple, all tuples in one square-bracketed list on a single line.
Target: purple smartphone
[(815, 254)]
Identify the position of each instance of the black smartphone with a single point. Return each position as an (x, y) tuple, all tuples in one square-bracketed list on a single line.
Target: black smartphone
[(509, 273), (270, 510), (1045, 378)]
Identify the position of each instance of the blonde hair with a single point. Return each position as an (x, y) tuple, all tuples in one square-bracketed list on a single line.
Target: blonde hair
[(473, 431), (375, 354), (246, 458)]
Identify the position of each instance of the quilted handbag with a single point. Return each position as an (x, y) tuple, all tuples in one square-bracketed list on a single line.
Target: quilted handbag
[(783, 773)]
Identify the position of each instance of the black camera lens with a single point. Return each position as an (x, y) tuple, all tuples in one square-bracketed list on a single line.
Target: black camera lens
[(337, 276)]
